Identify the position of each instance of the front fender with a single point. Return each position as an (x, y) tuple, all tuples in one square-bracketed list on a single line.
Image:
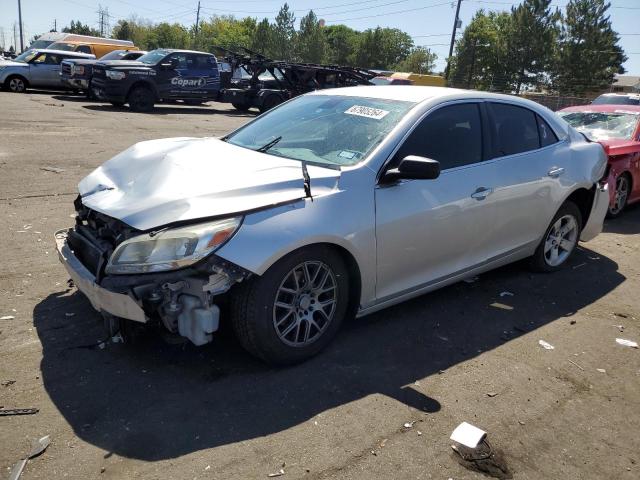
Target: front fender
[(345, 218)]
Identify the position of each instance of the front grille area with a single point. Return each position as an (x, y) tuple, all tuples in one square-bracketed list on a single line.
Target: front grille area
[(95, 236), (98, 72), (66, 68)]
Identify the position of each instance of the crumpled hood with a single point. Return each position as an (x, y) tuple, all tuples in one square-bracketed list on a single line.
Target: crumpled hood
[(159, 182), (619, 146)]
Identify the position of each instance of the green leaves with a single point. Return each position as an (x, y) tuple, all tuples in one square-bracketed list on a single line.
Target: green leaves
[(536, 46)]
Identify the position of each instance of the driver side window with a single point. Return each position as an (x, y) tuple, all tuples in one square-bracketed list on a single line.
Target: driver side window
[(181, 58), (452, 135)]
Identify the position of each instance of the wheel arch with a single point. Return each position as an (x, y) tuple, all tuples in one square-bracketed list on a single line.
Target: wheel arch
[(350, 261), (16, 75), (145, 84), (583, 199)]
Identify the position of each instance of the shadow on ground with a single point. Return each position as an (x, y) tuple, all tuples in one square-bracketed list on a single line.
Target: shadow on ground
[(156, 401), (626, 224)]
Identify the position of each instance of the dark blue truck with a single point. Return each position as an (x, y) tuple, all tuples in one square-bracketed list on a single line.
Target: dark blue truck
[(162, 75)]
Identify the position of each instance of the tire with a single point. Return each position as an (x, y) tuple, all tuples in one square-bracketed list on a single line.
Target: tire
[(255, 315), (554, 250), (240, 107), (270, 102), (623, 188), (16, 84), (117, 104), (141, 99)]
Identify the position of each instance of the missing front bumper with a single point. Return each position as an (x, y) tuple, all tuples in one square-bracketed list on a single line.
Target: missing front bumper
[(103, 300)]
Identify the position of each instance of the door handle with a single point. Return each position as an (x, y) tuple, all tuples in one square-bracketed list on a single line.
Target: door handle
[(555, 172), (481, 193)]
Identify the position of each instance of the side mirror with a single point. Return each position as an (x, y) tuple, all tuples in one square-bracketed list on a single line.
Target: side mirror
[(413, 167)]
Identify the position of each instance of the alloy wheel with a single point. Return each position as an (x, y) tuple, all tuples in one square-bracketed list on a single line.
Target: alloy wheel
[(17, 85), (305, 303), (561, 240), (622, 192)]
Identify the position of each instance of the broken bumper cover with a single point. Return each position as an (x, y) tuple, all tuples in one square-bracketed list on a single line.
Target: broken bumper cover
[(595, 223), (103, 300)]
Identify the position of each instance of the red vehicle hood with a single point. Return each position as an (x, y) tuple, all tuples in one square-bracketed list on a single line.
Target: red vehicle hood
[(619, 146)]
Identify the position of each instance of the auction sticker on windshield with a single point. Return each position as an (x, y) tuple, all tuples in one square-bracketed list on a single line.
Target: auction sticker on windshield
[(367, 112)]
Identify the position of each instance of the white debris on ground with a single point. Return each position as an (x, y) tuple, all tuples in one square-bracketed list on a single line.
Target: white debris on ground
[(545, 345)]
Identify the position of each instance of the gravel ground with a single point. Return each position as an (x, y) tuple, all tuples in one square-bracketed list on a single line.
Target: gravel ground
[(155, 410)]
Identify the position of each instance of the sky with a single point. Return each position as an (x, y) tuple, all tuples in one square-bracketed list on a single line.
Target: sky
[(429, 22)]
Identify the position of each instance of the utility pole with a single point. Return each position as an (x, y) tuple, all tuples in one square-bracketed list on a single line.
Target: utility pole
[(20, 22), (55, 25), (15, 37), (456, 23), (198, 18)]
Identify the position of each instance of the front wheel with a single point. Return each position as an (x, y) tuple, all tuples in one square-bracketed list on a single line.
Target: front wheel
[(141, 99), (16, 84), (560, 239), (295, 309), (623, 187)]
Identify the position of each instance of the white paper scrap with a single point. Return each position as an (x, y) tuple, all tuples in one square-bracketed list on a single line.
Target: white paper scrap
[(545, 345), (627, 343), (468, 435)]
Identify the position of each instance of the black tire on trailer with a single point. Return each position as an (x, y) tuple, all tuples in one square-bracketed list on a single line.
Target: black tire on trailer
[(295, 308)]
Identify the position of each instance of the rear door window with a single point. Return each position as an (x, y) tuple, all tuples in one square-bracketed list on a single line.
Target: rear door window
[(516, 129), (452, 135), (547, 136), (84, 49)]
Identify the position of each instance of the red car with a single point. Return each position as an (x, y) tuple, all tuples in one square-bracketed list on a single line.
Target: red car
[(617, 128)]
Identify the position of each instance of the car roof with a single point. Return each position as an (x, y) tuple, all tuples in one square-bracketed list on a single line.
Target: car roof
[(173, 50), (606, 108), (419, 94), (64, 52)]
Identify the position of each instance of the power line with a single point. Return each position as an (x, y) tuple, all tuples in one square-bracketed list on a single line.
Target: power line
[(385, 14)]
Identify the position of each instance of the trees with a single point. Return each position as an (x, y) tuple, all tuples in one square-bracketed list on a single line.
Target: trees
[(77, 27), (420, 60), (481, 59), (530, 42), (342, 43), (382, 48), (284, 34), (311, 40), (534, 46), (588, 54)]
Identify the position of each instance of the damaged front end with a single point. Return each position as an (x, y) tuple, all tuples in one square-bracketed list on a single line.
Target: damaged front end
[(168, 276)]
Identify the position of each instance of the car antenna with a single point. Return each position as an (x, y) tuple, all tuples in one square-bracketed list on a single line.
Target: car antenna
[(307, 180)]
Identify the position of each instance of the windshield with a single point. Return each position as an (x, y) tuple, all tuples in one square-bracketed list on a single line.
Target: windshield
[(616, 100), (153, 57), (25, 56), (114, 55), (41, 44), (69, 47), (603, 125), (323, 129)]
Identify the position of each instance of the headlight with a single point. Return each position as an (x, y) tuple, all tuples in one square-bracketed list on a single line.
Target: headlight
[(171, 249), (77, 70), (114, 74)]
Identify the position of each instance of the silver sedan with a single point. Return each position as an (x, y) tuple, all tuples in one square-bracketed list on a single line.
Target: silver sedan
[(337, 203), (36, 68)]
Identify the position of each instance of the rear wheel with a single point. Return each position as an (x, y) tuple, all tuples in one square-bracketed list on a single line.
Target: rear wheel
[(141, 99), (560, 239), (623, 187), (295, 309), (16, 84)]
